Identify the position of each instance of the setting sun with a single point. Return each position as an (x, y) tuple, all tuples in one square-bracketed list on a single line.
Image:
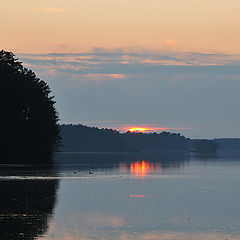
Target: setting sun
[(138, 129)]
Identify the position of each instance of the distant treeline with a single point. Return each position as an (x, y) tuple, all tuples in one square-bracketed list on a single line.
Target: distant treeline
[(203, 145), (80, 138), (228, 144), (216, 144)]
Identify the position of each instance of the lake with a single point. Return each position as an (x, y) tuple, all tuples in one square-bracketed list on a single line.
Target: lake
[(107, 196)]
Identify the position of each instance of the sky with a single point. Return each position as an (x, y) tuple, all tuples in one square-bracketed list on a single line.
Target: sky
[(165, 65)]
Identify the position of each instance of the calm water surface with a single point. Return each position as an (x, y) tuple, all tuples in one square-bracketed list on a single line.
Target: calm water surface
[(153, 196)]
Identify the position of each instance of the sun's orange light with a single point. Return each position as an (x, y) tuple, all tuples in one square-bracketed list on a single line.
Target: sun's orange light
[(137, 195), (138, 129), (141, 168)]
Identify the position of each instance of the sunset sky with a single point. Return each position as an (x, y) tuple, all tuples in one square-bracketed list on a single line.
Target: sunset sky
[(140, 63)]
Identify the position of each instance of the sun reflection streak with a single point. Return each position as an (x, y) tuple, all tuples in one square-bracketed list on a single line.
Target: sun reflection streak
[(141, 168), (137, 195)]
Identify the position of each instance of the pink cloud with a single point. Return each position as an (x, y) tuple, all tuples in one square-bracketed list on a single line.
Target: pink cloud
[(60, 45), (54, 10), (165, 62), (52, 71), (105, 76), (171, 43)]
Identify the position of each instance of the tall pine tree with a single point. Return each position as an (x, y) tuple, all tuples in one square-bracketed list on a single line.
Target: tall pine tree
[(29, 132)]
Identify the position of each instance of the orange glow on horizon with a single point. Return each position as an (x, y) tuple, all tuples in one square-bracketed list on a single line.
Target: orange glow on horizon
[(150, 128), (138, 129), (146, 129)]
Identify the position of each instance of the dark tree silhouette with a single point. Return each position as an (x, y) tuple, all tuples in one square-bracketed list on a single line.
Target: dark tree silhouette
[(28, 118), (80, 138), (205, 145), (26, 208)]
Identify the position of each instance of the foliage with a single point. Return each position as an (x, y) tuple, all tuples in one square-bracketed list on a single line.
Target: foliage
[(27, 207), (80, 138), (205, 145), (28, 117)]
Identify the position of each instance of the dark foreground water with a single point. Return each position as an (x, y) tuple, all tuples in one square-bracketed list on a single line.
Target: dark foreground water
[(155, 196)]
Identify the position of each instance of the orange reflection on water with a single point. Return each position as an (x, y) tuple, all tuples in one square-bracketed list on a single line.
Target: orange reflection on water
[(137, 195), (141, 168)]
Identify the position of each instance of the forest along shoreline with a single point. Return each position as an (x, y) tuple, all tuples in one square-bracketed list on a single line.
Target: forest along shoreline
[(81, 138)]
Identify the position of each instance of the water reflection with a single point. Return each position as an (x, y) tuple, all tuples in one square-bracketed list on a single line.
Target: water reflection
[(26, 206), (137, 195), (132, 207), (135, 164), (154, 235), (140, 168)]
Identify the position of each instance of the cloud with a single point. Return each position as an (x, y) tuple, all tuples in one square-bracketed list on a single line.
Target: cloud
[(171, 43), (164, 62), (53, 10), (60, 45), (149, 87), (95, 61), (100, 121), (76, 69), (51, 71), (102, 76)]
